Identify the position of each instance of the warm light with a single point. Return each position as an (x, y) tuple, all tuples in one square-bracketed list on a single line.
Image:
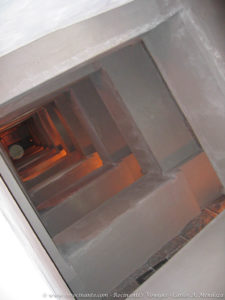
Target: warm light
[(84, 168), (36, 170)]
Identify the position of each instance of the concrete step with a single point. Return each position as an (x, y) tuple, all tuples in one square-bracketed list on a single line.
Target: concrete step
[(121, 234), (35, 155), (56, 188), (87, 196), (60, 167), (43, 163)]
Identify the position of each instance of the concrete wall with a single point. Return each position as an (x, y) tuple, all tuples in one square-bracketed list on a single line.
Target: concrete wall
[(202, 179), (30, 258), (99, 117), (22, 22), (195, 81), (190, 67), (151, 105), (207, 16), (67, 49)]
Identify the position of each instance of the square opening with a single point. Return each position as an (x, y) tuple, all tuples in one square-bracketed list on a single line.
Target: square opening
[(97, 150), (69, 152)]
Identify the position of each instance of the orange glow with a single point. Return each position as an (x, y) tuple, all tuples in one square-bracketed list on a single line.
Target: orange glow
[(34, 171), (84, 168), (124, 174)]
